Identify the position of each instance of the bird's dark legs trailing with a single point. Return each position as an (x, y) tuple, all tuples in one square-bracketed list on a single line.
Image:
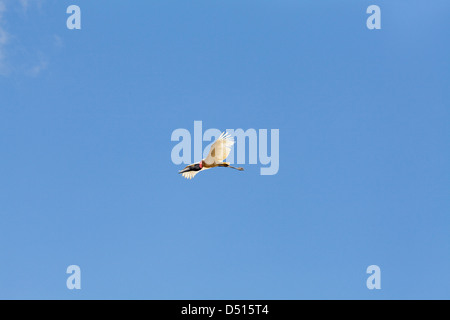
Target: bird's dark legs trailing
[(225, 164)]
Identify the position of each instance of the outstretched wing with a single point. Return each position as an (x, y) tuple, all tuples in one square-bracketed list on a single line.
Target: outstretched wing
[(190, 174), (220, 149)]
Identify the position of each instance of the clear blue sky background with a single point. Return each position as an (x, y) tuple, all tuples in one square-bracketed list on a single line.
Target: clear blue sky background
[(86, 176)]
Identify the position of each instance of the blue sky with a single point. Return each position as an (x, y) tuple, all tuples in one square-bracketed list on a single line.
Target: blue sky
[(86, 175)]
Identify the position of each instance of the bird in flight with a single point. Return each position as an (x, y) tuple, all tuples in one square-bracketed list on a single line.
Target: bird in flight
[(219, 151)]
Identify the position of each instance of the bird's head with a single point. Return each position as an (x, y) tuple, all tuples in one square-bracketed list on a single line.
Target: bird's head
[(193, 167)]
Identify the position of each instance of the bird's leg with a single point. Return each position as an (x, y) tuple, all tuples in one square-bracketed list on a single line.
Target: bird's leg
[(227, 164)]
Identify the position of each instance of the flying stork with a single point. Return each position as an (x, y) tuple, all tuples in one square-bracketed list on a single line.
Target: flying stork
[(219, 151)]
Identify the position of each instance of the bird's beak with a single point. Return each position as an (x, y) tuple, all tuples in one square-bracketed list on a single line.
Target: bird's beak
[(185, 170)]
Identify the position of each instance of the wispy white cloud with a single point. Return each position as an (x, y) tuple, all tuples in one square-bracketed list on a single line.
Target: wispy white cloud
[(8, 43), (35, 70), (58, 41), (24, 4)]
